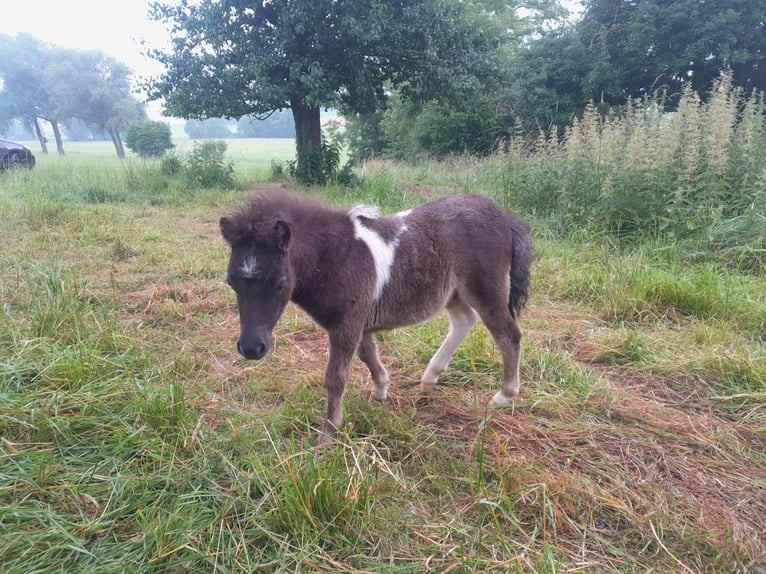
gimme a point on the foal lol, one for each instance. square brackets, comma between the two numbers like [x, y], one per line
[356, 272]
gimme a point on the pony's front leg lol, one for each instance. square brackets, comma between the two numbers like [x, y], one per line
[342, 347]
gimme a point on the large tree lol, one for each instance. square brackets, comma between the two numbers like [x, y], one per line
[655, 43]
[25, 92]
[101, 96]
[624, 49]
[233, 58]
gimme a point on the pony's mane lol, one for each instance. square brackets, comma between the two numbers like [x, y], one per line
[260, 212]
[285, 203]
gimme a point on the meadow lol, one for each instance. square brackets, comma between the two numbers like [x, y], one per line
[133, 438]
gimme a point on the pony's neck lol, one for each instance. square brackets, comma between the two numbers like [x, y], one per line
[313, 246]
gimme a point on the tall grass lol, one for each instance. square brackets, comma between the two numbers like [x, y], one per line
[698, 171]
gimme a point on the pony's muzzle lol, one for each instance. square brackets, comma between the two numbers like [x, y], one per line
[253, 351]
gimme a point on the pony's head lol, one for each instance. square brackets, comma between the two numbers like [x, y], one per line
[259, 274]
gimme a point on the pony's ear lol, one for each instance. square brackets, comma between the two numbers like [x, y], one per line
[282, 235]
[229, 230]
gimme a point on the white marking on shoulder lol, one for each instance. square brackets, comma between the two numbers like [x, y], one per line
[249, 267]
[404, 214]
[366, 211]
[382, 252]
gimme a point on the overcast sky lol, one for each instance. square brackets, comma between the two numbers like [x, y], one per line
[113, 26]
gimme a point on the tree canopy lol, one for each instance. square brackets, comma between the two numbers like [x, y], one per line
[233, 59]
[624, 49]
[653, 43]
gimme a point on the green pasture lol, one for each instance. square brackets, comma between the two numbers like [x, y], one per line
[134, 439]
[252, 156]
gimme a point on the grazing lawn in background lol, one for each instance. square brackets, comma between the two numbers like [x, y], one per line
[252, 156]
[133, 438]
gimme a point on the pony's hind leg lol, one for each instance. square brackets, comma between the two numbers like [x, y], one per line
[461, 319]
[368, 352]
[507, 335]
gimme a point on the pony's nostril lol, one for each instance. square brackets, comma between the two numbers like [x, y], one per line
[260, 350]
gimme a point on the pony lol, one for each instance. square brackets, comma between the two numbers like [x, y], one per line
[357, 272]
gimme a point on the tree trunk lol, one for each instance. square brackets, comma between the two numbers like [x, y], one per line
[121, 148]
[57, 136]
[308, 142]
[117, 141]
[40, 136]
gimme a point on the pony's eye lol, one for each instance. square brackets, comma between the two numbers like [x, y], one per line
[281, 284]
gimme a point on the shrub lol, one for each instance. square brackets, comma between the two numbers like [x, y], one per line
[205, 166]
[149, 138]
[323, 167]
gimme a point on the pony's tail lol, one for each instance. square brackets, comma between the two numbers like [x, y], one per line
[520, 264]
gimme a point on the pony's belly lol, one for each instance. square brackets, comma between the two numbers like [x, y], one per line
[391, 313]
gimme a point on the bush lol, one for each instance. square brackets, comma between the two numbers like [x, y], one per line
[323, 167]
[149, 138]
[205, 166]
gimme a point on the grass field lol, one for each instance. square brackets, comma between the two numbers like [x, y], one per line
[251, 155]
[134, 439]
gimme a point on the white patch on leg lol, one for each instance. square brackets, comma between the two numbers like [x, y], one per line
[499, 400]
[380, 388]
[382, 252]
[460, 324]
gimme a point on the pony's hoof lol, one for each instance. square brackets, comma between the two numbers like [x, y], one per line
[500, 400]
[323, 441]
[378, 400]
[427, 387]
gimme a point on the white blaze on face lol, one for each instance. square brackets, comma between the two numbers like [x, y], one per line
[249, 267]
[382, 252]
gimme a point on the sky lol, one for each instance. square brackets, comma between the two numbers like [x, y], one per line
[114, 27]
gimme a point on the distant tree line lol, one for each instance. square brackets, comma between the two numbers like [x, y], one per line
[278, 124]
[86, 93]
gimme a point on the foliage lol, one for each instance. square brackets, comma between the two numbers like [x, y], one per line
[60, 85]
[647, 172]
[205, 166]
[654, 43]
[323, 167]
[554, 78]
[365, 135]
[312, 54]
[149, 138]
[545, 76]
